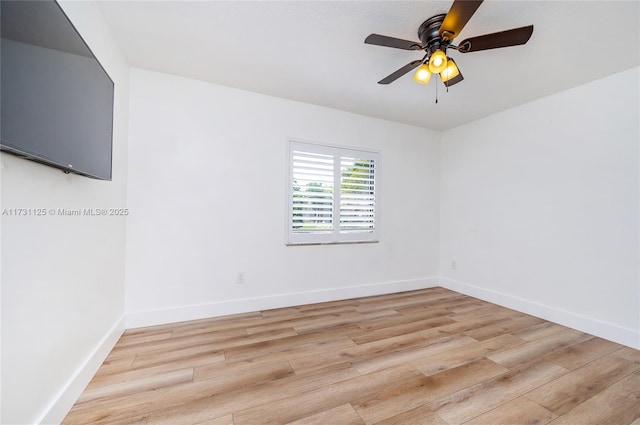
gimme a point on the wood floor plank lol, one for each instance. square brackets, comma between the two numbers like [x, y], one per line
[193, 326]
[393, 399]
[129, 339]
[311, 402]
[465, 323]
[400, 329]
[458, 378]
[392, 358]
[315, 310]
[242, 378]
[169, 344]
[238, 376]
[200, 401]
[519, 411]
[285, 313]
[410, 301]
[468, 353]
[427, 298]
[341, 320]
[209, 346]
[468, 403]
[431, 356]
[466, 306]
[239, 321]
[223, 420]
[148, 383]
[422, 415]
[538, 348]
[395, 304]
[266, 395]
[423, 309]
[486, 311]
[132, 373]
[366, 351]
[305, 319]
[403, 318]
[315, 348]
[579, 354]
[629, 354]
[140, 420]
[211, 352]
[506, 327]
[343, 415]
[115, 366]
[619, 404]
[543, 330]
[275, 345]
[568, 391]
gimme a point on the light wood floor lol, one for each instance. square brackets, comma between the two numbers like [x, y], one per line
[423, 357]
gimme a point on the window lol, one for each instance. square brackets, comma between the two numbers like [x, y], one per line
[332, 194]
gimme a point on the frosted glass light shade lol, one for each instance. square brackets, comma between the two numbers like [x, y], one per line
[422, 75]
[437, 62]
[450, 71]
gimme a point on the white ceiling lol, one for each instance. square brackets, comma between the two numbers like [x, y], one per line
[313, 51]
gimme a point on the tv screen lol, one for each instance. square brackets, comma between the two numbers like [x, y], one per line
[56, 99]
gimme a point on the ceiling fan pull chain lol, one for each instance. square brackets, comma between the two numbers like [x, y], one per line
[436, 93]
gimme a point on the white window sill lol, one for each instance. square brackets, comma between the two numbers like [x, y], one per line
[330, 243]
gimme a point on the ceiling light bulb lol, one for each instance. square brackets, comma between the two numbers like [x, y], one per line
[422, 75]
[437, 62]
[450, 71]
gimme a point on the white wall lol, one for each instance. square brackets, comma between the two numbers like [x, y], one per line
[539, 208]
[207, 191]
[62, 277]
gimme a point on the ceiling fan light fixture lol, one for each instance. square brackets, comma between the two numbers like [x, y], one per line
[437, 62]
[422, 75]
[437, 34]
[451, 71]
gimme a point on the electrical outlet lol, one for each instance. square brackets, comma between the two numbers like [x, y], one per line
[240, 278]
[454, 266]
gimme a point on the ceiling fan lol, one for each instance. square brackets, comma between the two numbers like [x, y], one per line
[436, 35]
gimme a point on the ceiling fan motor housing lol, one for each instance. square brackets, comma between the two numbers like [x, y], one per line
[429, 34]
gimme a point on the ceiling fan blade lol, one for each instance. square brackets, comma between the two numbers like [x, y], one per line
[399, 73]
[454, 80]
[513, 37]
[398, 43]
[457, 17]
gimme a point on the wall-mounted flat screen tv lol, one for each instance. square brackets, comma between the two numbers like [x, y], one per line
[57, 100]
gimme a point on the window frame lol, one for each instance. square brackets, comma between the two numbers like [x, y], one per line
[336, 236]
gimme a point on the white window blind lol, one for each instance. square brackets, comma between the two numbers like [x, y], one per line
[332, 194]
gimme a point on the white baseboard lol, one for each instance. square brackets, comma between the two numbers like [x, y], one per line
[244, 305]
[621, 335]
[67, 396]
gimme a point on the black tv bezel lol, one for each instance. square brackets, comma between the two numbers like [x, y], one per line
[49, 162]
